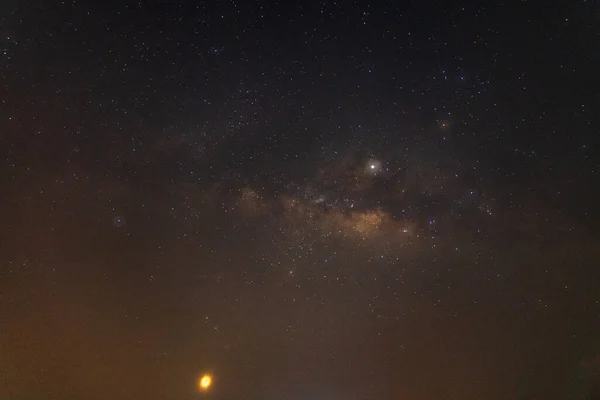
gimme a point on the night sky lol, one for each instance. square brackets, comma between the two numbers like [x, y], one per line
[304, 200]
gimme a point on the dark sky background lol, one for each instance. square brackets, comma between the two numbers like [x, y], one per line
[306, 199]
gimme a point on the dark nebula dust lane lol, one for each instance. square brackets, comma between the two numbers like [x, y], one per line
[299, 200]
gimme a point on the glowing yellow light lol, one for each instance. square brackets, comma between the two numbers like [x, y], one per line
[205, 382]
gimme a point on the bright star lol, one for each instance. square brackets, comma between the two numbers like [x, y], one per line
[205, 382]
[373, 166]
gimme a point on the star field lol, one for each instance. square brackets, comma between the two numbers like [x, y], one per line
[299, 200]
